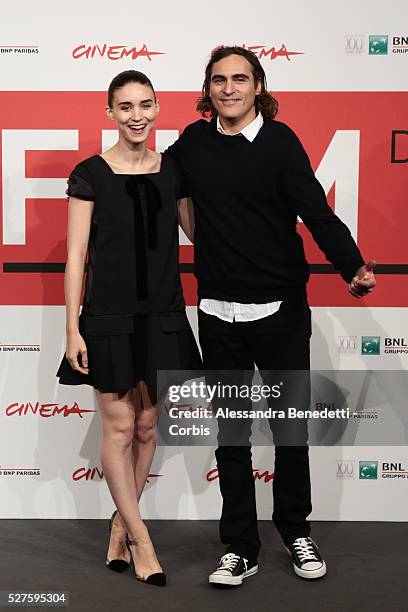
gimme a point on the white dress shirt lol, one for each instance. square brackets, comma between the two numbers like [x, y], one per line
[230, 311]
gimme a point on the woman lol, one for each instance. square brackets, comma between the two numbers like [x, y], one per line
[123, 213]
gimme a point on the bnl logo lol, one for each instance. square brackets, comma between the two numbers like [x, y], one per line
[368, 470]
[378, 44]
[370, 345]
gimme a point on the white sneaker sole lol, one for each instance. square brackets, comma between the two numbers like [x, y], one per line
[310, 574]
[232, 580]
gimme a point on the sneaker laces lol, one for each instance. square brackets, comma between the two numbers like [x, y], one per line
[305, 550]
[229, 561]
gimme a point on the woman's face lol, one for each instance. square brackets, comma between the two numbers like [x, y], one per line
[134, 110]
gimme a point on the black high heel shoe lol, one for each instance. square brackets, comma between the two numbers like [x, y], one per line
[157, 579]
[117, 565]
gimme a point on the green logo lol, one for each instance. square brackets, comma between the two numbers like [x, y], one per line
[368, 470]
[370, 345]
[378, 44]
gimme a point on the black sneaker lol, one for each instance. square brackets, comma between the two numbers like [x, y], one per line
[232, 570]
[307, 562]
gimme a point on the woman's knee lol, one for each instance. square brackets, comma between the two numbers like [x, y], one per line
[118, 417]
[120, 431]
[146, 427]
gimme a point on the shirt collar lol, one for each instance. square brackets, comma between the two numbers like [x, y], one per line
[249, 131]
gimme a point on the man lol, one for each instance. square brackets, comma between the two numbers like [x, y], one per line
[250, 178]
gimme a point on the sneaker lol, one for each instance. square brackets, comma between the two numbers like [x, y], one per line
[307, 562]
[232, 570]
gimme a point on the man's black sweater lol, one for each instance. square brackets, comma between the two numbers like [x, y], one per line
[247, 196]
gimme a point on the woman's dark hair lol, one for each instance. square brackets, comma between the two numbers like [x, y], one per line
[264, 101]
[123, 78]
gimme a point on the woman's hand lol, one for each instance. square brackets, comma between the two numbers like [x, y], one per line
[76, 346]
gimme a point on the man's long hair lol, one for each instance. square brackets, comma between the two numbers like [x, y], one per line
[264, 101]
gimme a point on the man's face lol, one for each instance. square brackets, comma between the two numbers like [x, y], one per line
[233, 89]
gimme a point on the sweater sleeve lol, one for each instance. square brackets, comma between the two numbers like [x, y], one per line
[306, 197]
[181, 187]
[183, 148]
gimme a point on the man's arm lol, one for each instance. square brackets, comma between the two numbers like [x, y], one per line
[305, 195]
[186, 217]
[183, 149]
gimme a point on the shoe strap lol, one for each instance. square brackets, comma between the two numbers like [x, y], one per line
[111, 520]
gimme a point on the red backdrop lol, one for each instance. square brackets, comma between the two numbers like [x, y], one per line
[383, 186]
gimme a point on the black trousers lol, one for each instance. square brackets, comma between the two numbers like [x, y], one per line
[278, 342]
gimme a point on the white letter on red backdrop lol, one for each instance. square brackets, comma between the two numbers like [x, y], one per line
[16, 187]
[340, 165]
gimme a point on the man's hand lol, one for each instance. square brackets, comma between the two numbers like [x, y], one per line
[364, 280]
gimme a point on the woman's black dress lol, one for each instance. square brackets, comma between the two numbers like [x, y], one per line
[133, 319]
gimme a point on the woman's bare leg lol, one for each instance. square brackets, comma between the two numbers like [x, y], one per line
[145, 438]
[118, 424]
[143, 447]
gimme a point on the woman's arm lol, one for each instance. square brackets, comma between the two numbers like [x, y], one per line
[79, 225]
[186, 217]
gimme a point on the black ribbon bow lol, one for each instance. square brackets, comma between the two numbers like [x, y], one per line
[145, 195]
